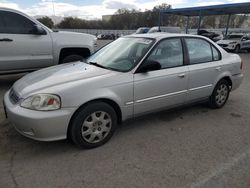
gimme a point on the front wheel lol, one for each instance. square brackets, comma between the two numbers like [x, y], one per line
[220, 94]
[93, 125]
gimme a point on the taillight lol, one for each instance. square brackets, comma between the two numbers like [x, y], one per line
[241, 65]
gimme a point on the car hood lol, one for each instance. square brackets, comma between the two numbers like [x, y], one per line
[226, 41]
[57, 75]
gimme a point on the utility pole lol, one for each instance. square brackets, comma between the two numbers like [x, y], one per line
[53, 5]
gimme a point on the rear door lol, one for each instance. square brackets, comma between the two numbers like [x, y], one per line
[204, 67]
[19, 48]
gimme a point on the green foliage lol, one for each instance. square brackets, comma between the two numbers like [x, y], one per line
[46, 21]
[77, 23]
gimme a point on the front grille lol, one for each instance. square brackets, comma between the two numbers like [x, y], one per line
[14, 98]
[223, 45]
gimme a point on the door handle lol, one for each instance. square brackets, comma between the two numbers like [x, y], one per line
[181, 75]
[218, 68]
[6, 40]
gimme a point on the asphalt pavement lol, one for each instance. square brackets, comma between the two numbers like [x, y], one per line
[187, 147]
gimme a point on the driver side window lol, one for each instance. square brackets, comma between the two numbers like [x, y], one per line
[168, 53]
[14, 23]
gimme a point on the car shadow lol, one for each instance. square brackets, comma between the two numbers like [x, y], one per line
[11, 141]
[166, 116]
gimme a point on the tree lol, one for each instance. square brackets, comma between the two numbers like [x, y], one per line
[46, 21]
[133, 19]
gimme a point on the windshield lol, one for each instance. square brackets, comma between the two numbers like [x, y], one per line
[122, 55]
[140, 30]
[233, 37]
[153, 30]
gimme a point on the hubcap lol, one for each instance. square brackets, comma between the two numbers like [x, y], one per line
[96, 127]
[221, 94]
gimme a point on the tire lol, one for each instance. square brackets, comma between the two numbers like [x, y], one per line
[71, 58]
[237, 48]
[93, 125]
[220, 94]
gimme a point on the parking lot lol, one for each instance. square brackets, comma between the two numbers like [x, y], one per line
[187, 147]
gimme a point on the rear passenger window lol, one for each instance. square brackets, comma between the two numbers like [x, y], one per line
[168, 53]
[216, 55]
[199, 51]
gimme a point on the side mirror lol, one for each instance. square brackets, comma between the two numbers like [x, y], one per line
[38, 30]
[149, 65]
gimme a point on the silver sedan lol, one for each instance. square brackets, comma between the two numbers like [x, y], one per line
[132, 76]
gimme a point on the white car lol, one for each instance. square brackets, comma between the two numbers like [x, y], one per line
[235, 42]
[164, 29]
[27, 45]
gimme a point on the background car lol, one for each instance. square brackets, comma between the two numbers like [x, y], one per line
[165, 29]
[27, 45]
[211, 35]
[142, 30]
[235, 42]
[106, 36]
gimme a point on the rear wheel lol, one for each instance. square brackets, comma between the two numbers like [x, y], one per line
[93, 125]
[220, 94]
[72, 58]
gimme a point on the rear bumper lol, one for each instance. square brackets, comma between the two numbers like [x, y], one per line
[38, 125]
[236, 81]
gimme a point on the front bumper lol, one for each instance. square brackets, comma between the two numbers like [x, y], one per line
[39, 125]
[236, 81]
[228, 47]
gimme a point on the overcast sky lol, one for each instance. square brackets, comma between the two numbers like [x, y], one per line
[92, 9]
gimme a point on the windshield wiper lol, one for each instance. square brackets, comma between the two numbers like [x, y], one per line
[101, 66]
[98, 65]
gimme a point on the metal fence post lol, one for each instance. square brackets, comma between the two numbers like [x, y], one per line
[199, 24]
[187, 24]
[228, 21]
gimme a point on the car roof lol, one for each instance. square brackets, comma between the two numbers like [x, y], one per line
[162, 35]
[236, 34]
[9, 9]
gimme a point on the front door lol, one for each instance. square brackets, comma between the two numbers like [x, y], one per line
[162, 88]
[19, 48]
[245, 43]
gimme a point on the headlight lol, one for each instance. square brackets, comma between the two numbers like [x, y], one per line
[42, 102]
[232, 42]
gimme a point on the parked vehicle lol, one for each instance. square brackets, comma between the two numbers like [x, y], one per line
[235, 42]
[134, 75]
[211, 35]
[165, 29]
[142, 30]
[106, 36]
[27, 45]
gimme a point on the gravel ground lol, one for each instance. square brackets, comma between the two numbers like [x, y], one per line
[186, 147]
